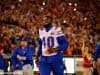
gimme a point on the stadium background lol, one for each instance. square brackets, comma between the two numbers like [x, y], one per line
[79, 20]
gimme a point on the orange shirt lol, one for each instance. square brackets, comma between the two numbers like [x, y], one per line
[69, 51]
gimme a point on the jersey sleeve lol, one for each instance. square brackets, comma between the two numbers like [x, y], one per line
[63, 43]
[59, 32]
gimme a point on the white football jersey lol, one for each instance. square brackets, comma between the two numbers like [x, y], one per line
[49, 39]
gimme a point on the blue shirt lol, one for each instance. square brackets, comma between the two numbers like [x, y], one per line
[27, 52]
[2, 63]
[97, 52]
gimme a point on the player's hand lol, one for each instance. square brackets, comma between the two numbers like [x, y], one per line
[52, 50]
[21, 58]
[18, 57]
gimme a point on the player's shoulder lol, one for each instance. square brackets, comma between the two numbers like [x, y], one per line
[57, 28]
[41, 29]
[16, 49]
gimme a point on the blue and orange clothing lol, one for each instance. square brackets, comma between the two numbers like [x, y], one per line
[27, 52]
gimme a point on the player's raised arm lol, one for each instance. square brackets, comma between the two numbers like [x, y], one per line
[62, 40]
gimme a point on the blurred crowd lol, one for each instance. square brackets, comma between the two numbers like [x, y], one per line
[79, 20]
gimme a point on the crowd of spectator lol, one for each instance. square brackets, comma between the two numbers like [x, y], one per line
[79, 20]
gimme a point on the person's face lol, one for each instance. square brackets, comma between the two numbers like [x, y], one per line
[23, 43]
[1, 51]
[47, 20]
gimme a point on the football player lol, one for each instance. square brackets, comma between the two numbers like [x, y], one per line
[52, 43]
[22, 59]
